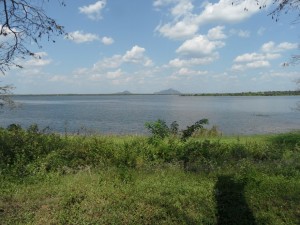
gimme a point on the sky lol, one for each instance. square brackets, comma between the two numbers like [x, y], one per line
[144, 46]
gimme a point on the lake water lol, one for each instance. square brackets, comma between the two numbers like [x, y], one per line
[126, 114]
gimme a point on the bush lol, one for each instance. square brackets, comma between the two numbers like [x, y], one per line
[159, 129]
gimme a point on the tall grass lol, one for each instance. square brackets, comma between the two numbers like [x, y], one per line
[47, 178]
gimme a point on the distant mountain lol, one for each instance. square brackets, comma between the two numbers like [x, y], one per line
[124, 93]
[168, 92]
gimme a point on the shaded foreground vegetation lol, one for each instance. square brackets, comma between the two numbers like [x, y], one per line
[47, 178]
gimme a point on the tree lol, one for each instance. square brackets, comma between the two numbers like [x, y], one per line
[23, 22]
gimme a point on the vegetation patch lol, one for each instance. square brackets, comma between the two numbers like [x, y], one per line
[47, 178]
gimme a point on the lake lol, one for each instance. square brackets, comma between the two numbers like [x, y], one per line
[126, 114]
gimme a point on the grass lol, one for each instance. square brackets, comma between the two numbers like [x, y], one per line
[53, 179]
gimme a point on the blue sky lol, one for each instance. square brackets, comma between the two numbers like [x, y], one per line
[144, 46]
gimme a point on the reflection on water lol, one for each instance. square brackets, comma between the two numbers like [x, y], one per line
[127, 114]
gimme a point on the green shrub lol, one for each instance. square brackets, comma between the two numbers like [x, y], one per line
[188, 132]
[159, 129]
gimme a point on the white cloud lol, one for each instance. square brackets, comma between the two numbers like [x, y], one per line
[251, 65]
[34, 65]
[159, 3]
[114, 74]
[179, 29]
[81, 37]
[107, 40]
[258, 64]
[216, 33]
[225, 11]
[199, 46]
[183, 8]
[136, 55]
[192, 62]
[187, 72]
[57, 78]
[93, 11]
[248, 57]
[185, 22]
[39, 60]
[270, 51]
[111, 62]
[284, 46]
[240, 33]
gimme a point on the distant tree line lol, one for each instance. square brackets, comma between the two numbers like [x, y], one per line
[260, 93]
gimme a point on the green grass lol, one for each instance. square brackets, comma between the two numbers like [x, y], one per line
[53, 179]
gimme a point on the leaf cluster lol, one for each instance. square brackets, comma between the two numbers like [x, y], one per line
[23, 22]
[160, 129]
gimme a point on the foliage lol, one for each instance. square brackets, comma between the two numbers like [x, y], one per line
[188, 132]
[278, 7]
[160, 129]
[23, 22]
[48, 178]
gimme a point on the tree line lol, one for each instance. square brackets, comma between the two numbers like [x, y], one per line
[259, 93]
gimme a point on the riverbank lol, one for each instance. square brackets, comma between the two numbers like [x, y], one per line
[57, 179]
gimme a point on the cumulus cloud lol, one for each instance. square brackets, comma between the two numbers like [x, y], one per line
[199, 46]
[192, 61]
[251, 65]
[136, 55]
[107, 40]
[200, 50]
[185, 23]
[240, 33]
[110, 62]
[114, 74]
[93, 11]
[187, 72]
[216, 33]
[225, 11]
[268, 51]
[158, 3]
[178, 30]
[284, 46]
[248, 57]
[182, 8]
[81, 37]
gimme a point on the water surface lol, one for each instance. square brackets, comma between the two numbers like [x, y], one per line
[126, 114]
